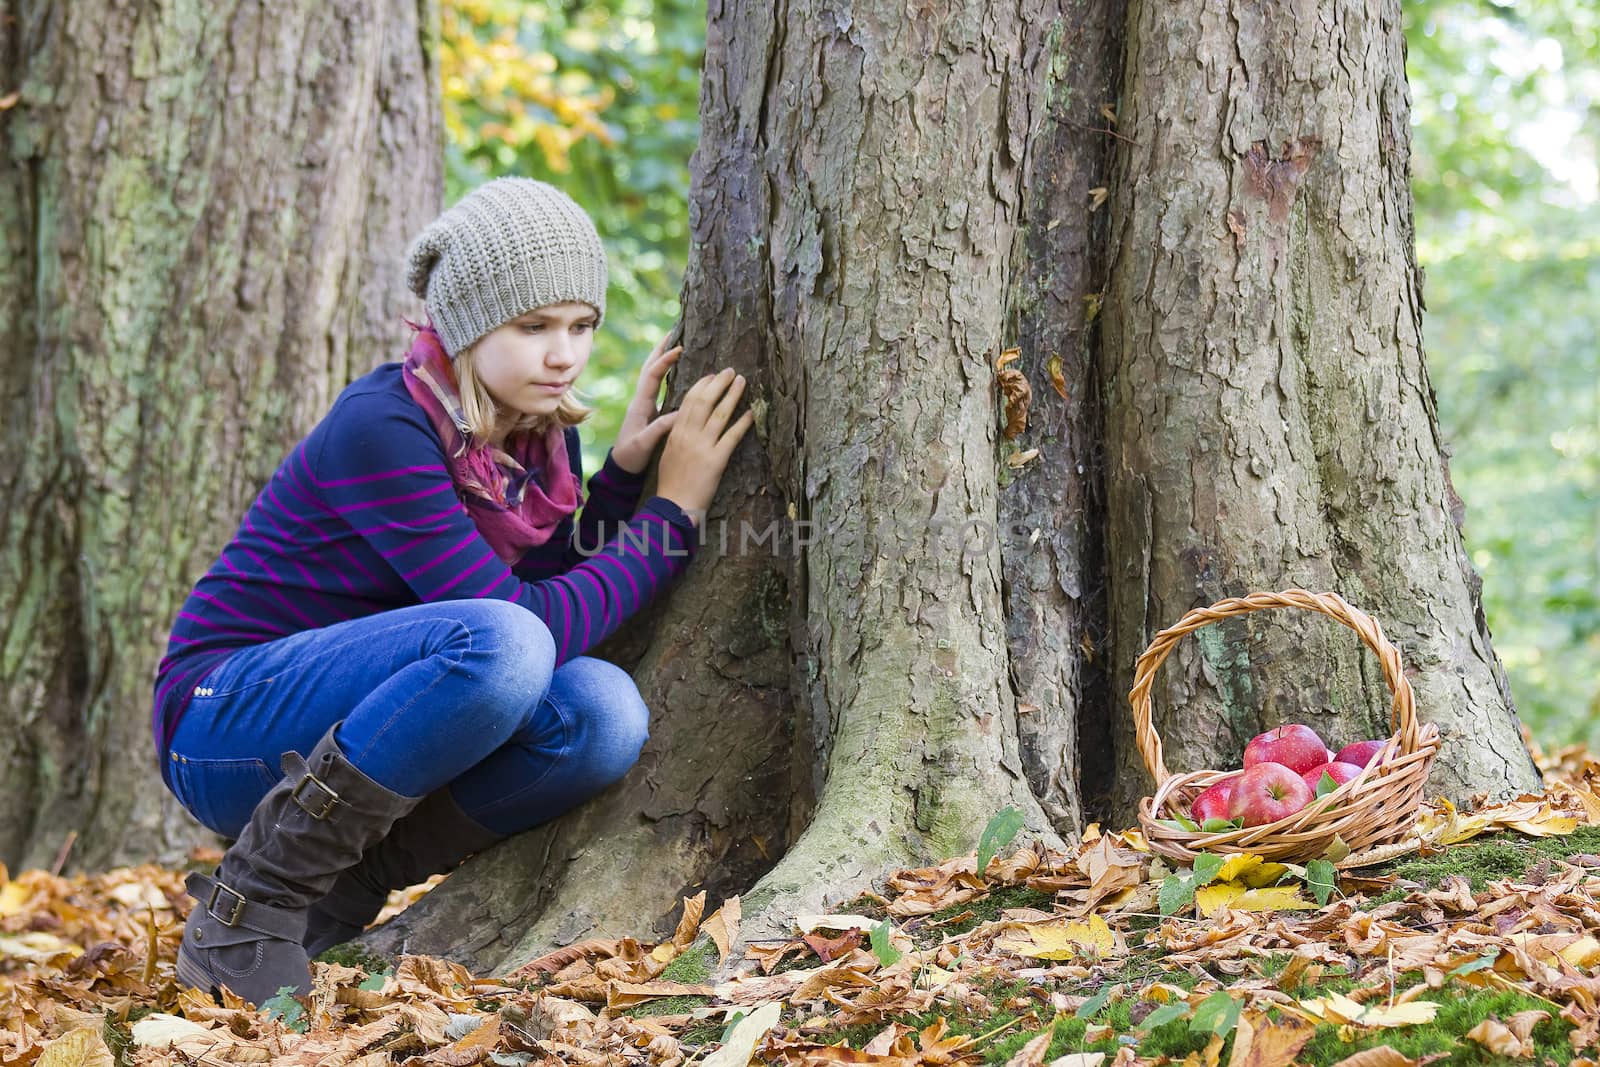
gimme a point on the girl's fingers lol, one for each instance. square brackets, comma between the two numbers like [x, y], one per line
[661, 359]
[736, 432]
[654, 370]
[659, 428]
[730, 400]
[702, 395]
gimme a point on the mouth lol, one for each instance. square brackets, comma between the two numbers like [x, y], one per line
[554, 388]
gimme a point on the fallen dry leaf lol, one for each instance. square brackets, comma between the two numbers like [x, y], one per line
[79, 1048]
[746, 1035]
[1260, 1043]
[1063, 939]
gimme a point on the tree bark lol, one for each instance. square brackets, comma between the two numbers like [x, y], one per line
[1269, 417]
[205, 206]
[859, 192]
[1052, 513]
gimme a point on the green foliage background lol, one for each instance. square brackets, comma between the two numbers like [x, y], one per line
[1506, 123]
[600, 98]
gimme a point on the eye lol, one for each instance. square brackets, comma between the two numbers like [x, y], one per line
[532, 327]
[582, 326]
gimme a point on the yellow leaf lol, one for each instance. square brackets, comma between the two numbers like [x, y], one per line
[1164, 993]
[36, 947]
[1581, 951]
[1584, 952]
[1212, 899]
[1057, 378]
[1234, 866]
[13, 898]
[1546, 825]
[80, 1048]
[1338, 1008]
[1134, 840]
[1063, 940]
[1264, 875]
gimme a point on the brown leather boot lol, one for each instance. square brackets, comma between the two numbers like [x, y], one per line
[433, 839]
[315, 822]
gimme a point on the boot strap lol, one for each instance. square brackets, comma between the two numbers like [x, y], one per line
[311, 794]
[319, 806]
[234, 910]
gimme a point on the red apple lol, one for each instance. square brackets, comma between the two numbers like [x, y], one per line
[1266, 793]
[1294, 746]
[1213, 802]
[1361, 753]
[1342, 773]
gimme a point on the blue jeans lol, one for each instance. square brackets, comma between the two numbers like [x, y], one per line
[461, 693]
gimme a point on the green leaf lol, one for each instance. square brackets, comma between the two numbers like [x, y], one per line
[1326, 784]
[1092, 1007]
[284, 1006]
[1206, 866]
[1321, 879]
[1217, 826]
[1217, 1014]
[887, 954]
[374, 983]
[997, 835]
[1474, 965]
[733, 1020]
[1164, 1014]
[1336, 851]
[1177, 893]
[1187, 823]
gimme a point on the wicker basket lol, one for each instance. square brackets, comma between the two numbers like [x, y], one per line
[1377, 807]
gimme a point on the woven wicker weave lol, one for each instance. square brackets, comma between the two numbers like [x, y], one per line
[1377, 807]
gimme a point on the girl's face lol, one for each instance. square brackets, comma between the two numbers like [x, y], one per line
[529, 363]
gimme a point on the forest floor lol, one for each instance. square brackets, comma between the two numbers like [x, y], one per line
[1479, 946]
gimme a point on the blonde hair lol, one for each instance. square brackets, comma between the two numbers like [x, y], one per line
[481, 412]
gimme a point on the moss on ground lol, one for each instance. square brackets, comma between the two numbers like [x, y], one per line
[692, 967]
[1460, 1010]
[1485, 859]
[984, 909]
[355, 954]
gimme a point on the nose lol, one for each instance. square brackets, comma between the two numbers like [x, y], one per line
[563, 351]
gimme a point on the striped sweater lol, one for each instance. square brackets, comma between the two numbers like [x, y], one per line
[362, 517]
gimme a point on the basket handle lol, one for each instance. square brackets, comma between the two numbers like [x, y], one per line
[1402, 713]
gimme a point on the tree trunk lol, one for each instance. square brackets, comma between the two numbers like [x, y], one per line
[205, 207]
[858, 195]
[871, 192]
[1052, 514]
[1269, 417]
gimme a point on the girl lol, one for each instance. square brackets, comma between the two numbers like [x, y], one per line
[408, 600]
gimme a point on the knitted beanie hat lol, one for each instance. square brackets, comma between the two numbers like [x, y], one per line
[508, 247]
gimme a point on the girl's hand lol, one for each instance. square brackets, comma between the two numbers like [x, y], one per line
[698, 450]
[642, 430]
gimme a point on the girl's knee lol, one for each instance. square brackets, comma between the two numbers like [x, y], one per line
[512, 655]
[615, 720]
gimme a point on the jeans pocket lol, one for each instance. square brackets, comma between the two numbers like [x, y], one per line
[221, 793]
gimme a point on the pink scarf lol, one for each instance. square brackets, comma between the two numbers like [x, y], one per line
[513, 509]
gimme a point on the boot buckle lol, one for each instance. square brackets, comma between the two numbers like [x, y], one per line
[319, 807]
[232, 918]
